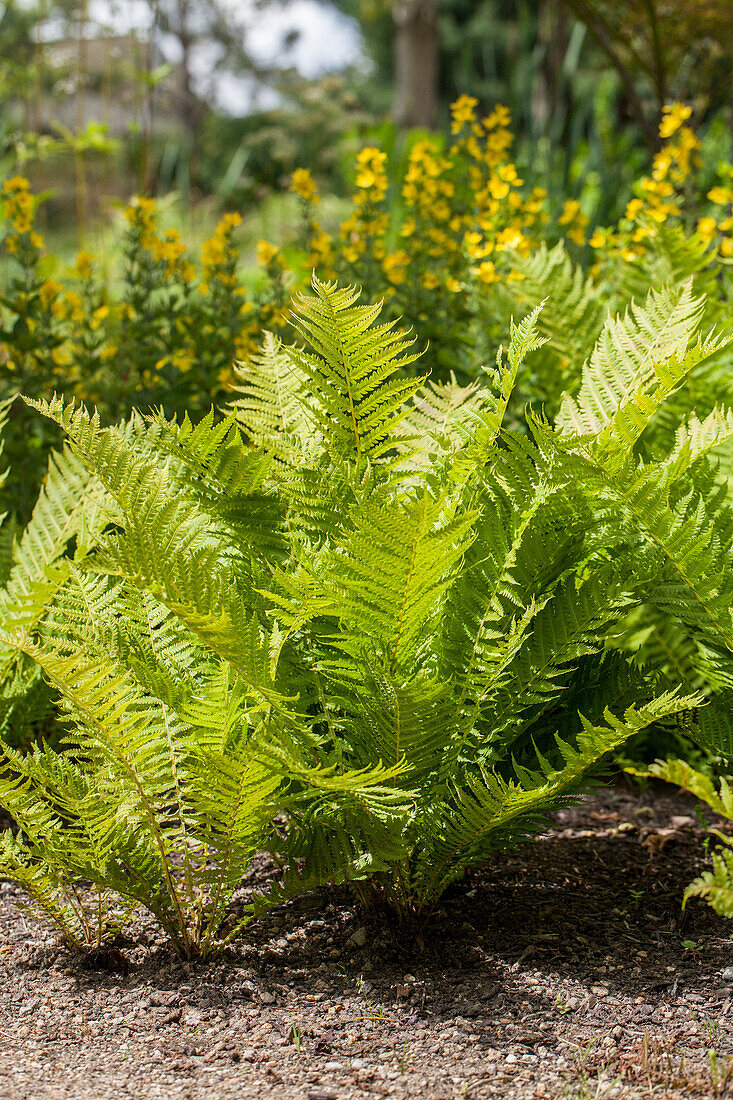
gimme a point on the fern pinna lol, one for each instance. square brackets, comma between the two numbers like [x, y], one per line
[359, 600]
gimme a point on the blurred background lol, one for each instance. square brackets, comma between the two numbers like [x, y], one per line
[214, 103]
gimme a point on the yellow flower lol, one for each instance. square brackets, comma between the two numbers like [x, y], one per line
[570, 211]
[36, 240]
[430, 280]
[476, 246]
[498, 189]
[15, 184]
[98, 316]
[74, 305]
[182, 361]
[632, 209]
[487, 272]
[229, 222]
[673, 115]
[302, 184]
[371, 175]
[707, 228]
[500, 117]
[266, 253]
[463, 111]
[726, 247]
[61, 355]
[452, 284]
[48, 291]
[600, 238]
[721, 196]
[83, 265]
[511, 237]
[394, 266]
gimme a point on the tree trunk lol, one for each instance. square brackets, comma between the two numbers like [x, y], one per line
[416, 62]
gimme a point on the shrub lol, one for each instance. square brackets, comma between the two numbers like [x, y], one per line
[455, 238]
[387, 614]
[164, 334]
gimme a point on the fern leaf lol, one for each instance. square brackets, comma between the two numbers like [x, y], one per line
[355, 398]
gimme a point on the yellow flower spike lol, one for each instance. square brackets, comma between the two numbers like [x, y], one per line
[49, 291]
[266, 253]
[83, 265]
[302, 184]
[463, 111]
[673, 116]
[15, 184]
[726, 247]
[633, 208]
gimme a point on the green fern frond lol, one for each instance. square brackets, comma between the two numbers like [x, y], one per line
[574, 309]
[271, 401]
[353, 394]
[644, 349]
[386, 576]
[714, 886]
[70, 506]
[484, 811]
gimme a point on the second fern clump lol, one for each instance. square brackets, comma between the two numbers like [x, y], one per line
[360, 602]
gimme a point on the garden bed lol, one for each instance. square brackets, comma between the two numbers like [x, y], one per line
[558, 971]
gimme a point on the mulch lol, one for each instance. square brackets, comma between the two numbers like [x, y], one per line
[565, 968]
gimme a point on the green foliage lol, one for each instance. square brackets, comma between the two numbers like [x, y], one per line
[716, 884]
[68, 513]
[385, 614]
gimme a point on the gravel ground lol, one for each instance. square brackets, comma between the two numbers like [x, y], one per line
[557, 971]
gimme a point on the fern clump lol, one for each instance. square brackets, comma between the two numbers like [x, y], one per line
[364, 602]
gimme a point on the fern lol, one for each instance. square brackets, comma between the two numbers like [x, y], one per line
[353, 395]
[69, 512]
[715, 885]
[368, 604]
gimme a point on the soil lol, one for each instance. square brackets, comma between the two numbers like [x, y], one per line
[563, 969]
